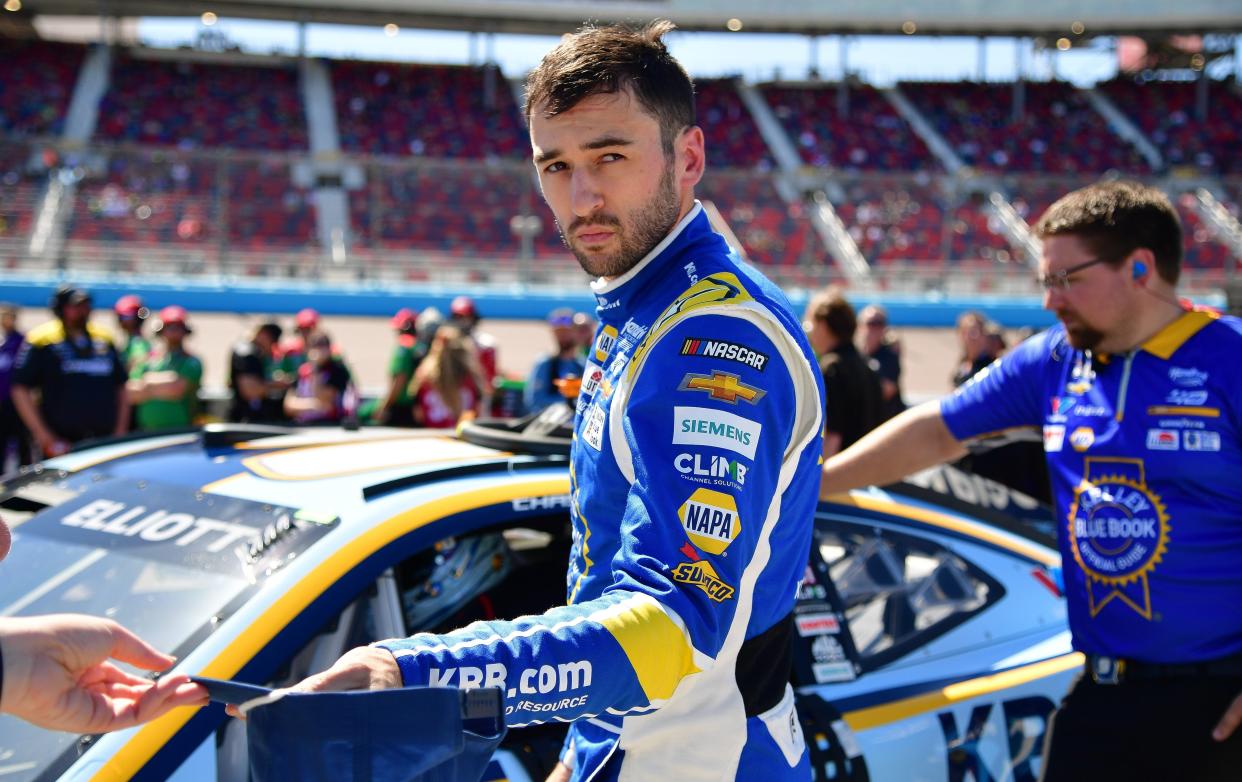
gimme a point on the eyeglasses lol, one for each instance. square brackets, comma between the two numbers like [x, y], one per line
[1061, 280]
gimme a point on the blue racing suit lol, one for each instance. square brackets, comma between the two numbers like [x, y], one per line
[694, 479]
[1145, 455]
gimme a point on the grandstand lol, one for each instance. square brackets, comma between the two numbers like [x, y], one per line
[224, 163]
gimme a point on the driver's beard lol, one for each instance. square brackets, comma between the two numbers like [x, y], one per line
[648, 227]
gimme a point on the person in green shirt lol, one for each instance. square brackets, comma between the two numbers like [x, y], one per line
[130, 315]
[164, 388]
[396, 406]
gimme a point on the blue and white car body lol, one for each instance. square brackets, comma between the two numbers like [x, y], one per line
[931, 643]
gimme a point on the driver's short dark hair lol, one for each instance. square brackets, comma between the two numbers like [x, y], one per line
[607, 60]
[1113, 219]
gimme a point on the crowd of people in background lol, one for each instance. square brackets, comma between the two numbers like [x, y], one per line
[71, 379]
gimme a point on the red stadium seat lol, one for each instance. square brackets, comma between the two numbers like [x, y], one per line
[1058, 132]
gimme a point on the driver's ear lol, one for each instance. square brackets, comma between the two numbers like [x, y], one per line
[691, 156]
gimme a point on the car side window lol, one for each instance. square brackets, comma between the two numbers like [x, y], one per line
[493, 574]
[899, 591]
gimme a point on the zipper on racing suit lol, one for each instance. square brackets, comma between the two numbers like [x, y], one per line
[1125, 385]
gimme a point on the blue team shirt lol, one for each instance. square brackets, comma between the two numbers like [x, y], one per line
[694, 479]
[1145, 456]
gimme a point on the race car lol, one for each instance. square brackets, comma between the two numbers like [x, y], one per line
[931, 636]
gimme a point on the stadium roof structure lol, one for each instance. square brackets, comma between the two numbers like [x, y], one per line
[934, 17]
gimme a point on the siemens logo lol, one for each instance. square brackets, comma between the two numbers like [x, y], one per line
[715, 428]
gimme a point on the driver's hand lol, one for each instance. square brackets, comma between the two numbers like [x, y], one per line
[364, 668]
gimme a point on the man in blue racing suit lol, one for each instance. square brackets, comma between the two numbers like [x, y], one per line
[1139, 398]
[694, 462]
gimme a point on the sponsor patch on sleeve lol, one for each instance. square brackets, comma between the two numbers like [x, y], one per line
[722, 387]
[715, 428]
[729, 351]
[702, 575]
[710, 519]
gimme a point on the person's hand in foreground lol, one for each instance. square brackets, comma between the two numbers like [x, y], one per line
[363, 668]
[59, 674]
[1229, 723]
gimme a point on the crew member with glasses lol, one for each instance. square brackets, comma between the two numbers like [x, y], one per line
[1139, 398]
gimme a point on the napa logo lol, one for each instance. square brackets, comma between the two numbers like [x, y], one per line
[604, 342]
[710, 519]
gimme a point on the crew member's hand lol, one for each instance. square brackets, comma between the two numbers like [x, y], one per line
[1229, 723]
[363, 668]
[51, 445]
[561, 773]
[57, 675]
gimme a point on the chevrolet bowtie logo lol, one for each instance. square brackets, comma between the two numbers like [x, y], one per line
[722, 386]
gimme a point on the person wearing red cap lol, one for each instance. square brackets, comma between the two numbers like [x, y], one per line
[396, 407]
[164, 388]
[130, 316]
[55, 672]
[465, 316]
[293, 351]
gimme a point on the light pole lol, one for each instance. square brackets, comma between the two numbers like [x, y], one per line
[525, 227]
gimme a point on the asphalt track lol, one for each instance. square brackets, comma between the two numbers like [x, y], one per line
[928, 355]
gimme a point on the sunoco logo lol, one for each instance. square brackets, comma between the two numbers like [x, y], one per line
[702, 575]
[710, 520]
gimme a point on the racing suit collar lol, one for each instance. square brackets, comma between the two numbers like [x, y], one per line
[610, 294]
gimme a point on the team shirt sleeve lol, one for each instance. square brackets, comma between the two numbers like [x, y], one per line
[1006, 394]
[31, 366]
[703, 440]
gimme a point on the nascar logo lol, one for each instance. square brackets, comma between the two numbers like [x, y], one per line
[702, 575]
[710, 519]
[730, 351]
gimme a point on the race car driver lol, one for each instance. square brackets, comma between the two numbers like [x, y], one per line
[1140, 408]
[694, 461]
